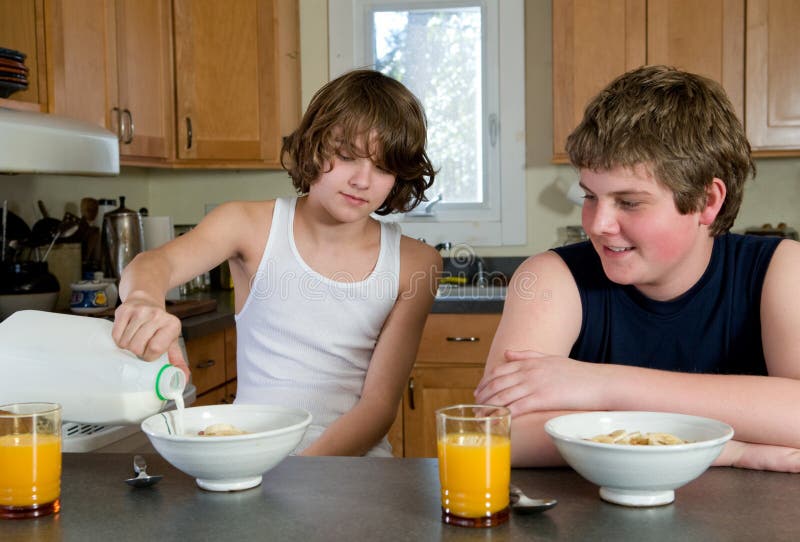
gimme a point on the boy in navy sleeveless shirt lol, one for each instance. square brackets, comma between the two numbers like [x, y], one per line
[662, 309]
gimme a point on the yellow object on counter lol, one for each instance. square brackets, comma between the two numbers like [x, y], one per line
[461, 281]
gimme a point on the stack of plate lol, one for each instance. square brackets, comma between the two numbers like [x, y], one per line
[13, 72]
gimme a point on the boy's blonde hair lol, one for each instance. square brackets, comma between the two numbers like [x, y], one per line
[352, 109]
[680, 125]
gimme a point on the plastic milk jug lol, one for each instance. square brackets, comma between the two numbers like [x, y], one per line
[73, 360]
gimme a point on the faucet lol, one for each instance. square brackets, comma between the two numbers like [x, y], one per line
[482, 280]
[447, 245]
[431, 204]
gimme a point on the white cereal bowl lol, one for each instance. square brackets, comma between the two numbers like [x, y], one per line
[638, 475]
[227, 463]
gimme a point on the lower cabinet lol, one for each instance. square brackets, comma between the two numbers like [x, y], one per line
[449, 365]
[212, 360]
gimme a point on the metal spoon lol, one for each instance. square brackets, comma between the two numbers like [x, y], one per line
[522, 504]
[143, 479]
[65, 229]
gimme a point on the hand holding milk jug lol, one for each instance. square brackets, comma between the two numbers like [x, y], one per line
[73, 361]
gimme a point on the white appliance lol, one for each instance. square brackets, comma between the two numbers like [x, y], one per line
[33, 142]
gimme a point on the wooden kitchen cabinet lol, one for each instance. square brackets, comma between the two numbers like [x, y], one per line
[237, 80]
[449, 365]
[594, 41]
[773, 77]
[210, 361]
[183, 83]
[22, 29]
[110, 63]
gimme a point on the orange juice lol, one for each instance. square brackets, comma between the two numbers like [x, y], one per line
[30, 469]
[474, 471]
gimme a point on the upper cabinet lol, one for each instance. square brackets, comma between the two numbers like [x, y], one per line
[237, 78]
[594, 41]
[111, 64]
[183, 83]
[773, 76]
[22, 29]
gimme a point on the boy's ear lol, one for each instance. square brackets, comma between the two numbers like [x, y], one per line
[715, 197]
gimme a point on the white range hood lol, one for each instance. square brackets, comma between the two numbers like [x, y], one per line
[41, 143]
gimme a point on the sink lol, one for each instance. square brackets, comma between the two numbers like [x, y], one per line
[452, 292]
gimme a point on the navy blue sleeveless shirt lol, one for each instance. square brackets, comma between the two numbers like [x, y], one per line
[715, 327]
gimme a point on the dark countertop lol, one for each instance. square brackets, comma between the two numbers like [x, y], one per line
[353, 499]
[210, 322]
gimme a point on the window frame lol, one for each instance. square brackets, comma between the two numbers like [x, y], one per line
[501, 219]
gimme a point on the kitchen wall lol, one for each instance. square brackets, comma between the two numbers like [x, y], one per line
[773, 197]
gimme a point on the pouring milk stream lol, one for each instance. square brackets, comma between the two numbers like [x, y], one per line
[73, 360]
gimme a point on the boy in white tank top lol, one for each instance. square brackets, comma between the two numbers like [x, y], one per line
[330, 303]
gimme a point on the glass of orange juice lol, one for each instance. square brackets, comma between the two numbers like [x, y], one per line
[30, 460]
[474, 448]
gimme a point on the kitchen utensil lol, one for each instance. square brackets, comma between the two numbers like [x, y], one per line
[522, 504]
[142, 479]
[16, 234]
[5, 219]
[89, 210]
[124, 237]
[45, 228]
[65, 229]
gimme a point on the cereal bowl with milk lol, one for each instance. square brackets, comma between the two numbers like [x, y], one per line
[227, 447]
[638, 458]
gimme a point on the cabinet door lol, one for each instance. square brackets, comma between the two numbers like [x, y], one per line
[705, 37]
[593, 42]
[22, 29]
[773, 75]
[457, 338]
[207, 361]
[81, 62]
[429, 389]
[144, 76]
[237, 78]
[230, 353]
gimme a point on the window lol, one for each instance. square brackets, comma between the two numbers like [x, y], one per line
[469, 75]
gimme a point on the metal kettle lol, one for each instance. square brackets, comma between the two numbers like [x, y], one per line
[124, 237]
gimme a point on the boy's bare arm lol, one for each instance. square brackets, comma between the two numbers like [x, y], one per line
[141, 324]
[542, 310]
[537, 386]
[360, 429]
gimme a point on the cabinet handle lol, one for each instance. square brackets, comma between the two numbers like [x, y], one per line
[463, 339]
[206, 364]
[188, 133]
[128, 139]
[118, 113]
[411, 393]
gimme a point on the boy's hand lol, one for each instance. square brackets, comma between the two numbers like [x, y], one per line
[175, 355]
[531, 381]
[144, 327]
[746, 455]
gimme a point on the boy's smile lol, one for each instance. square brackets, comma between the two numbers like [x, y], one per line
[640, 236]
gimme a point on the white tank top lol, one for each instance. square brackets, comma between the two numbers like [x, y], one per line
[305, 340]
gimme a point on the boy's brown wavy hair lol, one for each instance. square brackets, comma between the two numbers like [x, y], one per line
[356, 107]
[680, 125]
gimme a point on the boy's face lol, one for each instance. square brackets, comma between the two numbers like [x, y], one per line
[639, 234]
[352, 186]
